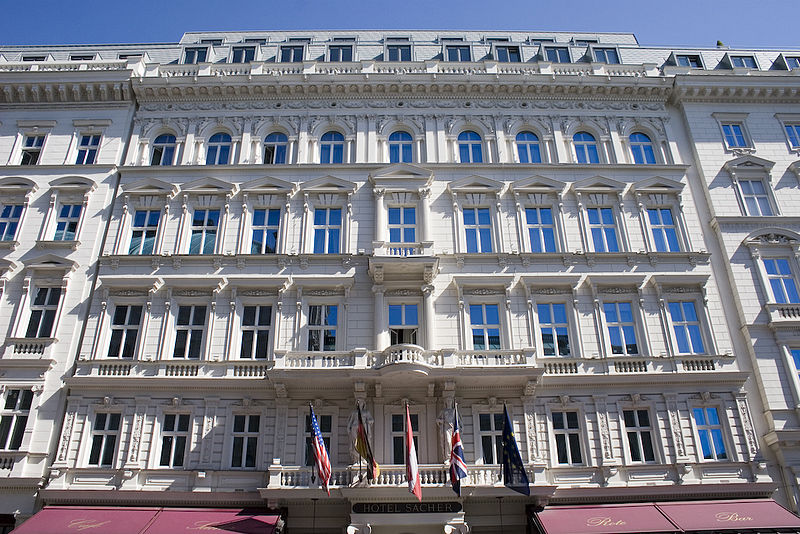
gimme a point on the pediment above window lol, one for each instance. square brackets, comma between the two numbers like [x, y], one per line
[210, 186]
[475, 184]
[150, 186]
[538, 184]
[268, 186]
[74, 184]
[401, 176]
[50, 262]
[658, 184]
[749, 166]
[772, 237]
[17, 187]
[325, 184]
[599, 184]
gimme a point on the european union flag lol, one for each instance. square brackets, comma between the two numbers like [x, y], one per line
[514, 475]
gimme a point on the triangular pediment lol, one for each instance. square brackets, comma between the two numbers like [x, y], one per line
[658, 184]
[749, 162]
[476, 183]
[537, 184]
[150, 186]
[51, 262]
[598, 183]
[327, 184]
[209, 186]
[268, 185]
[403, 171]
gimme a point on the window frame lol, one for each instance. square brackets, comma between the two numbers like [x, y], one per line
[176, 328]
[205, 194]
[275, 144]
[476, 192]
[654, 429]
[403, 247]
[742, 58]
[564, 408]
[330, 145]
[324, 303]
[558, 51]
[246, 435]
[90, 151]
[724, 429]
[155, 145]
[595, 48]
[258, 303]
[493, 412]
[196, 51]
[661, 193]
[390, 43]
[401, 144]
[637, 322]
[539, 144]
[43, 308]
[585, 148]
[244, 48]
[602, 194]
[731, 120]
[340, 45]
[293, 46]
[447, 45]
[17, 428]
[499, 45]
[25, 149]
[126, 328]
[471, 146]
[266, 194]
[13, 219]
[91, 432]
[303, 436]
[391, 434]
[16, 192]
[326, 192]
[163, 433]
[787, 121]
[218, 146]
[690, 60]
[641, 146]
[702, 325]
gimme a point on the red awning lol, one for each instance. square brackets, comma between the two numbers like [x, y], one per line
[729, 515]
[605, 519]
[99, 520]
[190, 521]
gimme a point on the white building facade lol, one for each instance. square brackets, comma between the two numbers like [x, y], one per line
[402, 218]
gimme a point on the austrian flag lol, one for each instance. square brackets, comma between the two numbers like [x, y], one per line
[412, 467]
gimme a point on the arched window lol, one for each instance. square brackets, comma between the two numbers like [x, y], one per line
[163, 150]
[470, 147]
[219, 149]
[642, 149]
[585, 148]
[275, 148]
[331, 148]
[528, 148]
[400, 147]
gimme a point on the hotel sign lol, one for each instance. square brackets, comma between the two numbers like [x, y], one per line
[443, 507]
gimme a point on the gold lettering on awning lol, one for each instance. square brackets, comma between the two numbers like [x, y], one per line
[604, 522]
[727, 517]
[86, 524]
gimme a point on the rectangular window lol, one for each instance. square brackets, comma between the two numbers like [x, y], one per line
[781, 280]
[399, 52]
[557, 54]
[189, 329]
[87, 149]
[327, 229]
[403, 323]
[291, 54]
[747, 62]
[246, 429]
[69, 215]
[124, 331]
[402, 229]
[478, 229]
[606, 55]
[640, 435]
[256, 324]
[14, 418]
[554, 329]
[664, 229]
[43, 312]
[508, 54]
[174, 437]
[81, 57]
[692, 61]
[484, 320]
[266, 223]
[796, 358]
[204, 231]
[793, 133]
[104, 439]
[603, 229]
[709, 430]
[325, 423]
[491, 429]
[793, 62]
[457, 53]
[243, 54]
[686, 325]
[541, 230]
[322, 321]
[756, 199]
[32, 149]
[340, 53]
[621, 328]
[10, 215]
[399, 436]
[143, 231]
[196, 55]
[567, 430]
[734, 135]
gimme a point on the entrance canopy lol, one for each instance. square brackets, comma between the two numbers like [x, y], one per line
[674, 517]
[107, 520]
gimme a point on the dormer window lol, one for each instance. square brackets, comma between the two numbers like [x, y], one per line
[340, 53]
[243, 54]
[689, 60]
[507, 54]
[292, 53]
[557, 54]
[606, 55]
[458, 53]
[194, 55]
[745, 62]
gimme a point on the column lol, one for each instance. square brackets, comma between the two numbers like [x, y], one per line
[425, 219]
[381, 328]
[428, 317]
[381, 224]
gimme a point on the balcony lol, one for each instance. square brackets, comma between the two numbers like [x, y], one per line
[783, 315]
[624, 365]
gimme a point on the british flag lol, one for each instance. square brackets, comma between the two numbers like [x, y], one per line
[320, 453]
[458, 468]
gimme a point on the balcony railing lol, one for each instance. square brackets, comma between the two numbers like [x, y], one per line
[783, 315]
[637, 364]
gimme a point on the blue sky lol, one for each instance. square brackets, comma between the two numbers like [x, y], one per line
[761, 24]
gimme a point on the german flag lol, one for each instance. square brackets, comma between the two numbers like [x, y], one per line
[364, 450]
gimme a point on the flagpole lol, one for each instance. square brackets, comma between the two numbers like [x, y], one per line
[500, 505]
[314, 515]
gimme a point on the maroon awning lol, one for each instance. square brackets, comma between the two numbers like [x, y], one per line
[604, 519]
[107, 520]
[98, 520]
[729, 515]
[193, 520]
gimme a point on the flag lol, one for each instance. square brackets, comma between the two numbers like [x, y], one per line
[364, 450]
[458, 469]
[514, 475]
[320, 453]
[412, 468]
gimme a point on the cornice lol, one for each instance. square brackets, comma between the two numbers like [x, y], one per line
[756, 88]
[30, 88]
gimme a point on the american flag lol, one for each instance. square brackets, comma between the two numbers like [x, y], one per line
[458, 468]
[320, 453]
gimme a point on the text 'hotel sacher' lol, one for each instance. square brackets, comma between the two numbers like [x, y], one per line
[201, 240]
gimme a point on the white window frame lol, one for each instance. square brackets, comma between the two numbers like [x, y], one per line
[243, 47]
[335, 44]
[230, 442]
[461, 44]
[739, 119]
[654, 429]
[419, 443]
[16, 192]
[786, 120]
[324, 304]
[539, 192]
[89, 435]
[758, 170]
[41, 274]
[147, 195]
[189, 329]
[784, 247]
[639, 328]
[403, 302]
[65, 191]
[326, 192]
[558, 46]
[689, 289]
[292, 44]
[476, 193]
[145, 229]
[162, 433]
[320, 412]
[586, 457]
[195, 48]
[202, 198]
[725, 430]
[492, 411]
[590, 196]
[659, 193]
[126, 328]
[554, 290]
[176, 146]
[605, 47]
[15, 413]
[255, 328]
[389, 42]
[265, 194]
[86, 127]
[26, 128]
[507, 44]
[486, 326]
